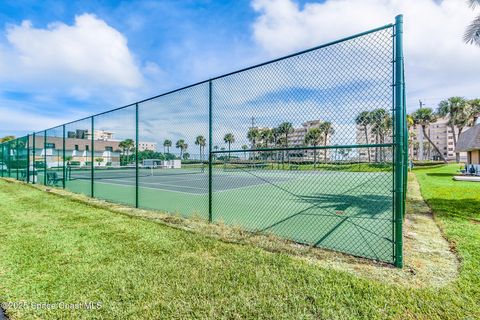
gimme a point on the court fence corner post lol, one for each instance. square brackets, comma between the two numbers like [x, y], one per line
[399, 206]
[27, 177]
[136, 156]
[34, 173]
[64, 153]
[92, 164]
[210, 157]
[45, 157]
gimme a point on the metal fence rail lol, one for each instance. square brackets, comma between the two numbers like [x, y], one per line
[310, 147]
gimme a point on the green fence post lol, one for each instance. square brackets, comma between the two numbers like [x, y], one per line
[45, 157]
[27, 180]
[63, 156]
[210, 158]
[1, 160]
[17, 142]
[399, 141]
[92, 166]
[136, 155]
[33, 159]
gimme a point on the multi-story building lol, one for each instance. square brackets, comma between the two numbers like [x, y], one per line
[297, 139]
[78, 148]
[374, 154]
[144, 146]
[441, 135]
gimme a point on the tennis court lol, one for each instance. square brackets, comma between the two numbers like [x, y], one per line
[337, 210]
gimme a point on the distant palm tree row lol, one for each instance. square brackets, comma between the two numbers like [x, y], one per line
[379, 123]
[461, 113]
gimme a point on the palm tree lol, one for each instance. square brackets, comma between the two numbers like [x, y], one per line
[180, 144]
[266, 136]
[326, 129]
[364, 120]
[201, 141]
[313, 137]
[126, 146]
[229, 138]
[455, 108]
[474, 111]
[285, 129]
[472, 34]
[381, 123]
[253, 135]
[424, 117]
[167, 144]
[245, 147]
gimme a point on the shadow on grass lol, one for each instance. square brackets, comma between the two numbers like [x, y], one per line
[468, 209]
[439, 174]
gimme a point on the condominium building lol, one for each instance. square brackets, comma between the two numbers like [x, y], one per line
[374, 154]
[297, 139]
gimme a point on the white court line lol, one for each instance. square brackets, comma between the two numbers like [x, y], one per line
[150, 188]
[163, 184]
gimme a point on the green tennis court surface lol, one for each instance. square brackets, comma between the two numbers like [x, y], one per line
[336, 210]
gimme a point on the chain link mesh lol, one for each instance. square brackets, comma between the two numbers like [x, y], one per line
[301, 147]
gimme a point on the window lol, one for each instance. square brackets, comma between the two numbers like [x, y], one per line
[87, 147]
[450, 149]
[76, 147]
[109, 149]
[50, 145]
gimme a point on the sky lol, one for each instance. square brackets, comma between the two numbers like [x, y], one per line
[64, 60]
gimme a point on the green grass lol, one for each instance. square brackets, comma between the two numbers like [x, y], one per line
[56, 250]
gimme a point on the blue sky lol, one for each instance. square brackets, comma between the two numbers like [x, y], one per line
[162, 45]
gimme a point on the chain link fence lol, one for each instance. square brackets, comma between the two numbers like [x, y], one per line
[310, 147]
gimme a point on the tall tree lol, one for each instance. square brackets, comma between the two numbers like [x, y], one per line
[180, 144]
[201, 142]
[127, 146]
[364, 120]
[253, 135]
[327, 130]
[285, 129]
[472, 34]
[456, 109]
[167, 144]
[266, 136]
[381, 124]
[314, 137]
[474, 110]
[229, 138]
[424, 117]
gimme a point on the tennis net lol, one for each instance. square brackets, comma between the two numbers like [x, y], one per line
[130, 172]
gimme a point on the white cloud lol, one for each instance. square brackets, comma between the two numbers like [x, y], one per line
[438, 63]
[78, 60]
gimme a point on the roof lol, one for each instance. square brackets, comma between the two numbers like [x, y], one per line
[469, 139]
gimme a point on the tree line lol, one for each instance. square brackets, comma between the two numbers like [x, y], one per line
[461, 113]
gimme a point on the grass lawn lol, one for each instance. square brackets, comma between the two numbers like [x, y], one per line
[53, 249]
